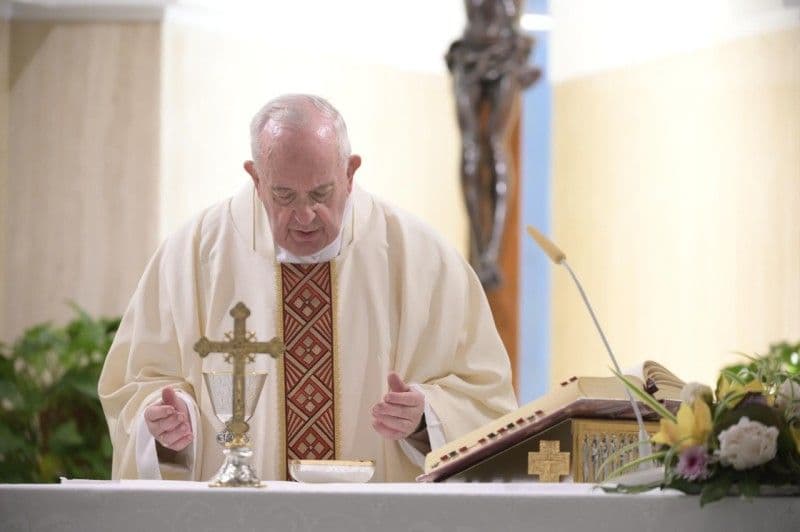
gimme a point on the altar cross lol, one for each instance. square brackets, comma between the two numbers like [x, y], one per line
[239, 350]
[549, 463]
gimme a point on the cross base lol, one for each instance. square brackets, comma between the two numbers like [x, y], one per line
[236, 471]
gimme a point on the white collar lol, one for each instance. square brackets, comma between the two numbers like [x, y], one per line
[329, 252]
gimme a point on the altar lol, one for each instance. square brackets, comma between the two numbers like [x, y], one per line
[162, 505]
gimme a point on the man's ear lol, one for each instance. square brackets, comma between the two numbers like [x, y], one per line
[353, 163]
[250, 168]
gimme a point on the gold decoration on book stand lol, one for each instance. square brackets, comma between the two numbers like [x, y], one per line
[596, 440]
[240, 349]
[550, 464]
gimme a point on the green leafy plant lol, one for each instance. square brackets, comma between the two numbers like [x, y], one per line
[782, 357]
[51, 421]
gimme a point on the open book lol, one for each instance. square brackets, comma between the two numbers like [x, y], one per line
[585, 397]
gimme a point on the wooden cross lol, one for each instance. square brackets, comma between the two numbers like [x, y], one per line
[239, 350]
[549, 463]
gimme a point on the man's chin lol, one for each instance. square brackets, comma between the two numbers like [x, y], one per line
[304, 249]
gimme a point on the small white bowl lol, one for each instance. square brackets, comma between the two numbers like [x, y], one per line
[331, 470]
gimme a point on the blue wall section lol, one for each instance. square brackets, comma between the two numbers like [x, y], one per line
[534, 360]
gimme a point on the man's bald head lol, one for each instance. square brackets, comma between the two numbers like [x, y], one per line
[293, 114]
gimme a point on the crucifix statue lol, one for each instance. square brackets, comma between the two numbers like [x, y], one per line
[239, 349]
[489, 64]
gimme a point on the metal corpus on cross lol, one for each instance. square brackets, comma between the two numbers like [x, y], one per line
[240, 349]
[550, 464]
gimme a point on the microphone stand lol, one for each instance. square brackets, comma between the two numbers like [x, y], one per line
[558, 257]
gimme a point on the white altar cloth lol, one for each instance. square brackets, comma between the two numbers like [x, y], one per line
[119, 506]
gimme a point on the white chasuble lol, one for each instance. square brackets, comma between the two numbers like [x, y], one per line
[395, 298]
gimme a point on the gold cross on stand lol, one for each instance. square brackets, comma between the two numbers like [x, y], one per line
[239, 350]
[549, 463]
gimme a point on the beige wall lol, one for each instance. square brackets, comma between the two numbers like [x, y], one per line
[121, 131]
[676, 196]
[83, 168]
[5, 33]
[401, 122]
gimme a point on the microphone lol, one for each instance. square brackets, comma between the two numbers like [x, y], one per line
[558, 257]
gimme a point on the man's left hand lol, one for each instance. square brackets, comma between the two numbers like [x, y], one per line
[400, 412]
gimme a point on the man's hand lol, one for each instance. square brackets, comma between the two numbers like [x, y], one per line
[168, 421]
[400, 412]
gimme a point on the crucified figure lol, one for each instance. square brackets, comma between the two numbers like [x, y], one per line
[489, 68]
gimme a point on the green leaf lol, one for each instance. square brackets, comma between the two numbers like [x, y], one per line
[685, 485]
[9, 391]
[50, 467]
[755, 412]
[715, 489]
[751, 358]
[623, 488]
[722, 406]
[749, 487]
[781, 356]
[9, 441]
[734, 377]
[635, 463]
[84, 384]
[106, 449]
[39, 440]
[65, 436]
[617, 454]
[669, 458]
[646, 398]
[786, 444]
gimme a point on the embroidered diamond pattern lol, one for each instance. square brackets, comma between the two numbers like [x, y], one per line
[307, 302]
[310, 396]
[308, 361]
[314, 446]
[309, 349]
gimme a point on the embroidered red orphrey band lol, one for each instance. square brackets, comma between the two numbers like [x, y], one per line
[308, 361]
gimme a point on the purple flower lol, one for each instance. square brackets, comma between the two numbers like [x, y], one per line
[693, 463]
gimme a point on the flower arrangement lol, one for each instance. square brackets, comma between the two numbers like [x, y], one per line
[739, 438]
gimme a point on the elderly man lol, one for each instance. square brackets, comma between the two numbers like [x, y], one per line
[390, 345]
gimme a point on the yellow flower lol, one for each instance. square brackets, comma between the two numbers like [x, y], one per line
[727, 387]
[692, 428]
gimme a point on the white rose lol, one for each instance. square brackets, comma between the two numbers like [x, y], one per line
[747, 444]
[788, 398]
[694, 390]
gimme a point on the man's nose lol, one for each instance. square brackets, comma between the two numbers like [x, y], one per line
[304, 214]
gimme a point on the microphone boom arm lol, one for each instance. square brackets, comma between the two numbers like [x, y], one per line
[558, 257]
[644, 437]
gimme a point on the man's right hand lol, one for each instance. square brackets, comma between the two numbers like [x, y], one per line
[168, 421]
